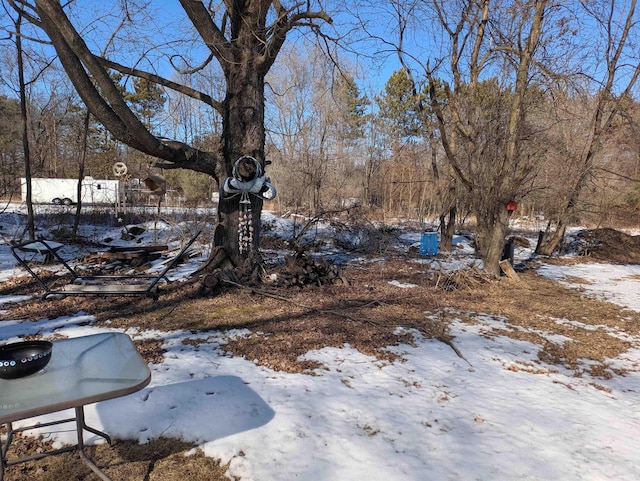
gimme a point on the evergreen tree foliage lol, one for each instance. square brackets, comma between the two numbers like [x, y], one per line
[355, 105]
[399, 107]
[147, 100]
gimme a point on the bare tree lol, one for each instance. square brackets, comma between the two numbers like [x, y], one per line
[607, 106]
[478, 80]
[314, 129]
[244, 38]
[499, 60]
[25, 125]
[298, 131]
[483, 134]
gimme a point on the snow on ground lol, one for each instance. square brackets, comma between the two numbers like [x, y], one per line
[432, 415]
[616, 283]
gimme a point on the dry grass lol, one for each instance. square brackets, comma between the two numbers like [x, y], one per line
[541, 306]
[158, 460]
[286, 324]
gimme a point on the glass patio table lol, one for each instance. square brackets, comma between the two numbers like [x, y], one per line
[82, 370]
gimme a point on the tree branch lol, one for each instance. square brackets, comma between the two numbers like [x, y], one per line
[283, 25]
[76, 56]
[444, 137]
[183, 89]
[22, 11]
[211, 35]
[103, 99]
[475, 65]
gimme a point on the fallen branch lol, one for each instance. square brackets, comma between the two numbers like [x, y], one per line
[446, 338]
[450, 343]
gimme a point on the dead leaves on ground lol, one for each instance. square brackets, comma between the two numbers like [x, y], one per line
[365, 314]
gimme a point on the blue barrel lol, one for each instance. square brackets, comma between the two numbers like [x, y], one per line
[429, 244]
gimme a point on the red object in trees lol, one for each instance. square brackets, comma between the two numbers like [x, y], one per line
[511, 206]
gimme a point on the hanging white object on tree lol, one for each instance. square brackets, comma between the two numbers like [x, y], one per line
[257, 184]
[247, 178]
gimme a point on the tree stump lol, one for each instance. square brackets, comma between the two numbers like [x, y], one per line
[508, 270]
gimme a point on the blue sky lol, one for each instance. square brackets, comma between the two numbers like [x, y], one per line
[375, 59]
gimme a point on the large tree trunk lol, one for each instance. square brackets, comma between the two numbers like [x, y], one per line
[244, 37]
[549, 240]
[490, 234]
[243, 135]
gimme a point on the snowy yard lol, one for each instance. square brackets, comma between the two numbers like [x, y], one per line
[496, 414]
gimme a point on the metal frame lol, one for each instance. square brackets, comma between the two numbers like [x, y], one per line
[94, 285]
[52, 390]
[81, 426]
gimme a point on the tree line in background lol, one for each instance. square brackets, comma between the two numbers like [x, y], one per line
[517, 104]
[329, 151]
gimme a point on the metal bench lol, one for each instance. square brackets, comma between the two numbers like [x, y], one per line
[104, 285]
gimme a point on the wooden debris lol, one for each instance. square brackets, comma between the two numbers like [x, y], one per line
[302, 270]
[463, 279]
[508, 271]
[298, 271]
[138, 258]
[448, 340]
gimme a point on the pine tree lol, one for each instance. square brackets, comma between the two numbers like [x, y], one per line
[399, 107]
[147, 100]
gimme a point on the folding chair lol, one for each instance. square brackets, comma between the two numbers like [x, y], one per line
[93, 285]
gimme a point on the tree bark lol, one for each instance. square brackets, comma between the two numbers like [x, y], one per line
[243, 134]
[490, 235]
[447, 228]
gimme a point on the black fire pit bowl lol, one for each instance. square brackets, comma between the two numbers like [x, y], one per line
[20, 359]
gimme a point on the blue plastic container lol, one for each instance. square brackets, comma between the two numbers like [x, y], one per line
[429, 244]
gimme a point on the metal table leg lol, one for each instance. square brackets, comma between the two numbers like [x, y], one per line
[81, 426]
[4, 449]
[3, 452]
